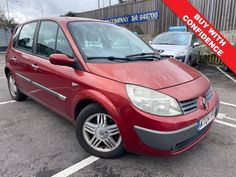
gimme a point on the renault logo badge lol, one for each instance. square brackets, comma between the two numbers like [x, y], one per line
[205, 103]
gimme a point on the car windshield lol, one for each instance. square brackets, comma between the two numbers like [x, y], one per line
[100, 40]
[172, 39]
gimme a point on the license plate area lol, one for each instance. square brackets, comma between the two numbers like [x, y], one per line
[206, 120]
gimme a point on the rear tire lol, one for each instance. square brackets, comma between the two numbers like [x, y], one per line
[98, 133]
[13, 88]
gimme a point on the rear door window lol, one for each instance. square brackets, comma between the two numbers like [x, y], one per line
[26, 37]
[47, 38]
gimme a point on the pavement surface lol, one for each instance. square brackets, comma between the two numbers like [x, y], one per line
[34, 141]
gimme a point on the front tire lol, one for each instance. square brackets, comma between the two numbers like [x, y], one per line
[13, 88]
[197, 60]
[188, 61]
[227, 68]
[98, 133]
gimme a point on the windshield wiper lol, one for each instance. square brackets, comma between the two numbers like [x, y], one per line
[144, 56]
[111, 58]
[136, 57]
[165, 43]
[140, 54]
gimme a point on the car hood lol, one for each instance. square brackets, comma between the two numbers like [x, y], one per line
[153, 74]
[174, 50]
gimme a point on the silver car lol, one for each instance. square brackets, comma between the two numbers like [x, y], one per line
[181, 45]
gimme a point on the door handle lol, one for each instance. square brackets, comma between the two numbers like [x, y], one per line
[14, 59]
[35, 66]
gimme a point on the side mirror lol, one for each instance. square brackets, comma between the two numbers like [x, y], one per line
[150, 42]
[61, 59]
[196, 44]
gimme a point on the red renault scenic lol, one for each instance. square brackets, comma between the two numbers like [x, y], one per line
[113, 86]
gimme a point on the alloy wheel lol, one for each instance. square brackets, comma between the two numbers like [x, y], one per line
[12, 86]
[101, 133]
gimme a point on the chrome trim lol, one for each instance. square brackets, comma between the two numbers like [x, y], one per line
[61, 97]
[23, 77]
[167, 132]
[188, 106]
[74, 84]
[52, 92]
[34, 66]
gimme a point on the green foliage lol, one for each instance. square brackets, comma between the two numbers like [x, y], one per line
[4, 22]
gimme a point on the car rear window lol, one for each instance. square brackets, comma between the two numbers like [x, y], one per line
[171, 38]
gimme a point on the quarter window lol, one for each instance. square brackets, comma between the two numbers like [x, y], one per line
[25, 41]
[17, 31]
[47, 38]
[63, 45]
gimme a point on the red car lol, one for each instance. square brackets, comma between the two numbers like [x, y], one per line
[112, 85]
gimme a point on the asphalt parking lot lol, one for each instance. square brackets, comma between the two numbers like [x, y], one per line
[34, 141]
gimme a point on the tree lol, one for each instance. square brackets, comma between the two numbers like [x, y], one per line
[4, 22]
[2, 16]
[70, 14]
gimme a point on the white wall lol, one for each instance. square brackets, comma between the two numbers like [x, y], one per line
[4, 37]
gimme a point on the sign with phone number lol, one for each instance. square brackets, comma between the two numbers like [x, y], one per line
[139, 17]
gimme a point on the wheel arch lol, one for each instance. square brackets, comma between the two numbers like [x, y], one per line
[6, 70]
[81, 105]
[89, 97]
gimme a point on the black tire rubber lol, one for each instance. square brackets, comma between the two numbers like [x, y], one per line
[83, 115]
[197, 60]
[226, 68]
[19, 95]
[188, 61]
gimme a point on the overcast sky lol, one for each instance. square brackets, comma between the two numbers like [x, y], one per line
[21, 10]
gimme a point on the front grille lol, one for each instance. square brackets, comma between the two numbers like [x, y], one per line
[209, 94]
[188, 106]
[191, 105]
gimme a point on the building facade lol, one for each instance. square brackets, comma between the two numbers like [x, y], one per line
[221, 13]
[5, 34]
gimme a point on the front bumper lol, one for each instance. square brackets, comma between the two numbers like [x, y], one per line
[171, 140]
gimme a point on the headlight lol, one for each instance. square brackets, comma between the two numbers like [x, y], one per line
[182, 53]
[152, 101]
[182, 58]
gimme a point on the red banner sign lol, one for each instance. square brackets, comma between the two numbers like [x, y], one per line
[205, 31]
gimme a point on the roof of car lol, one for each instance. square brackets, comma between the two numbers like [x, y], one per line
[67, 19]
[175, 32]
[188, 32]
